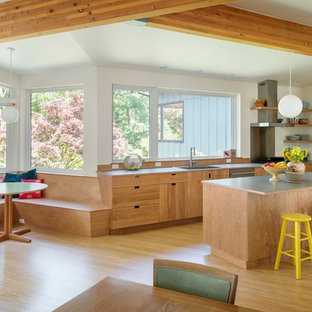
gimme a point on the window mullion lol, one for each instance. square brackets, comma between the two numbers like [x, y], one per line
[154, 124]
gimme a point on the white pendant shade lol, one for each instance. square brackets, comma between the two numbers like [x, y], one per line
[10, 114]
[290, 106]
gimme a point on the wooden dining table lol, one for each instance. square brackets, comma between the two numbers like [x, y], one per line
[8, 189]
[115, 295]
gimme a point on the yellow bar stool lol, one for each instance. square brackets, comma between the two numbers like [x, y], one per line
[295, 252]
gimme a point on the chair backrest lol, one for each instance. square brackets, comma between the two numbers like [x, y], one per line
[195, 279]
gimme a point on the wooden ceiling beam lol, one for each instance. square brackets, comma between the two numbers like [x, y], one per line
[30, 18]
[232, 24]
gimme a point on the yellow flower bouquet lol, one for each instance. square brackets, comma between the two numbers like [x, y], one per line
[295, 153]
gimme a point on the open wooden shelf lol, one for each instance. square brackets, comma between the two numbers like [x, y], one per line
[298, 141]
[300, 125]
[275, 108]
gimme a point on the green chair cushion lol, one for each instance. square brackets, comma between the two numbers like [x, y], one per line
[193, 283]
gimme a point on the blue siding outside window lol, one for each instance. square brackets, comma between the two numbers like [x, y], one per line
[208, 125]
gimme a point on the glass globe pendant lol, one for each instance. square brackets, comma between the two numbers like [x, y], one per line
[290, 106]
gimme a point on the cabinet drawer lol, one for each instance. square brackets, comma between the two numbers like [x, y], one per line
[136, 179]
[135, 194]
[134, 215]
[173, 177]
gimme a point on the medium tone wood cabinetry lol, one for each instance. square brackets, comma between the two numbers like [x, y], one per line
[259, 171]
[172, 201]
[173, 188]
[135, 200]
[143, 199]
[308, 167]
[194, 206]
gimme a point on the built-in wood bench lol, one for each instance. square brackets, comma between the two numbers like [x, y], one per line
[70, 204]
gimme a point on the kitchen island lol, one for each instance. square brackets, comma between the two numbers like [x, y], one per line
[242, 216]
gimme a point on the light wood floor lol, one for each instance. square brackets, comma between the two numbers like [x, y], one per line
[56, 267]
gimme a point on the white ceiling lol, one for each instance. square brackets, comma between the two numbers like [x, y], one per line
[127, 45]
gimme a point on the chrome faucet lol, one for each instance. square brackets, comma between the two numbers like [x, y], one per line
[192, 153]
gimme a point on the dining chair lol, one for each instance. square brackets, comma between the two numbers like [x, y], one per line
[195, 279]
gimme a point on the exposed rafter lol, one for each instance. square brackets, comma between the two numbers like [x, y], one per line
[29, 18]
[224, 22]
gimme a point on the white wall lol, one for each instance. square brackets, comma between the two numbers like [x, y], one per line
[97, 83]
[282, 132]
[13, 129]
[85, 76]
[109, 76]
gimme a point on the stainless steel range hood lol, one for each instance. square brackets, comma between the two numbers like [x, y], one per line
[267, 92]
[262, 133]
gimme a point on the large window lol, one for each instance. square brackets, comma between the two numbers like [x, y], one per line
[57, 129]
[161, 124]
[208, 125]
[131, 127]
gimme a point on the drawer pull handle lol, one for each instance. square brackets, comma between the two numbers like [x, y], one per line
[173, 174]
[136, 187]
[136, 206]
[209, 175]
[136, 177]
[173, 184]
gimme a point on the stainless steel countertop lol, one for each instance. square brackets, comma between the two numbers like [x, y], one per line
[118, 172]
[261, 185]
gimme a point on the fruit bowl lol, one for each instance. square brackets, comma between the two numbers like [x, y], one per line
[274, 171]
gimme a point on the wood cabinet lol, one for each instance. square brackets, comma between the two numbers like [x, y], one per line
[194, 206]
[135, 200]
[259, 171]
[173, 191]
[308, 167]
[142, 199]
[172, 201]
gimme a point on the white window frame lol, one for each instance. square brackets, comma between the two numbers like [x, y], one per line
[28, 129]
[153, 140]
[162, 139]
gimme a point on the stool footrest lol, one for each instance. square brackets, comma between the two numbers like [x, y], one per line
[306, 258]
[287, 253]
[307, 252]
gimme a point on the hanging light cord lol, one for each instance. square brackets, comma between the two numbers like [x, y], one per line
[11, 74]
[290, 73]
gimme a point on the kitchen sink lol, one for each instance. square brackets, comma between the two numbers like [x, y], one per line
[199, 167]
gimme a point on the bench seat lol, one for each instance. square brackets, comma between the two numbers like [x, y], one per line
[64, 216]
[70, 204]
[61, 204]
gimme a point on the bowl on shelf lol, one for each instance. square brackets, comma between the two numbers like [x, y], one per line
[259, 103]
[274, 171]
[303, 136]
[293, 137]
[305, 104]
[303, 121]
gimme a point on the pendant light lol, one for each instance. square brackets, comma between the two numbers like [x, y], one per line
[10, 113]
[290, 106]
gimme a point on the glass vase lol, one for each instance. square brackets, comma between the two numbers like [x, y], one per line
[133, 162]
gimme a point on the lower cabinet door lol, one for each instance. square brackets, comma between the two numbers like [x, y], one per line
[134, 215]
[172, 201]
